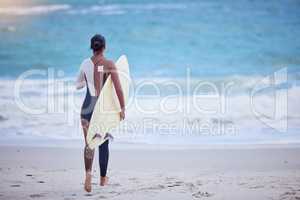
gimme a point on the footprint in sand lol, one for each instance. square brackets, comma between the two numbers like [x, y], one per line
[68, 198]
[36, 195]
[199, 183]
[115, 193]
[200, 194]
[41, 181]
[191, 186]
[170, 178]
[135, 180]
[16, 185]
[156, 187]
[289, 193]
[175, 184]
[256, 187]
[115, 184]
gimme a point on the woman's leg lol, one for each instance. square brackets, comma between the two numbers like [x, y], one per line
[103, 161]
[88, 158]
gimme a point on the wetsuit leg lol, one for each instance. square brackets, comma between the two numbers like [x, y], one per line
[103, 158]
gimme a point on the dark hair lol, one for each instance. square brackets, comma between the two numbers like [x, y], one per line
[97, 42]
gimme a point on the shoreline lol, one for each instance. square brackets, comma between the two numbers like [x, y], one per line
[78, 144]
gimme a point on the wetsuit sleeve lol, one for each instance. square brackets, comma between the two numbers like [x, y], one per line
[116, 81]
[80, 81]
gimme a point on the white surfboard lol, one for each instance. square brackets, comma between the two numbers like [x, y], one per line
[106, 114]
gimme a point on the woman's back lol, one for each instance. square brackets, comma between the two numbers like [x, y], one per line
[93, 73]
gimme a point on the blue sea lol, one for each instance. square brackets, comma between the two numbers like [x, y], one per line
[249, 46]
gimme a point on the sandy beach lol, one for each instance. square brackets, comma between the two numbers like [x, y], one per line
[210, 96]
[57, 173]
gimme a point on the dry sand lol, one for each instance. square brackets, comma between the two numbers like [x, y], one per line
[57, 173]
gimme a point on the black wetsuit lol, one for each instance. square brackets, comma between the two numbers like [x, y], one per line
[86, 113]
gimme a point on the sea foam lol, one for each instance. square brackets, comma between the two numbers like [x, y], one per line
[34, 10]
[170, 119]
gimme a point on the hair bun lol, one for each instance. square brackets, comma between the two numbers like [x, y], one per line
[97, 42]
[97, 46]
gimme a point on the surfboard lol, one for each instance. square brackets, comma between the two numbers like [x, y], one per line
[106, 114]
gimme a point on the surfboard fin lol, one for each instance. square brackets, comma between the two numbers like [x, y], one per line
[109, 136]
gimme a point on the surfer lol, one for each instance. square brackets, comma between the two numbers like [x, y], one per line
[93, 74]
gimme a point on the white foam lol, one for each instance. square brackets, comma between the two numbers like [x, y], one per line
[60, 120]
[118, 9]
[34, 10]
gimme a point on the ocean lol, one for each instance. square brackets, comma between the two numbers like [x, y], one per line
[203, 72]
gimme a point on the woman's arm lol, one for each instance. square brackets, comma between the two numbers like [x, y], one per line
[116, 81]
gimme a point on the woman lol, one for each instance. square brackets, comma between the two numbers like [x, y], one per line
[93, 73]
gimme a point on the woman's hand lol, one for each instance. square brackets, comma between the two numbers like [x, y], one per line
[122, 114]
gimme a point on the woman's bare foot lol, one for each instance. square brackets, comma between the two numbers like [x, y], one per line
[104, 181]
[88, 182]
